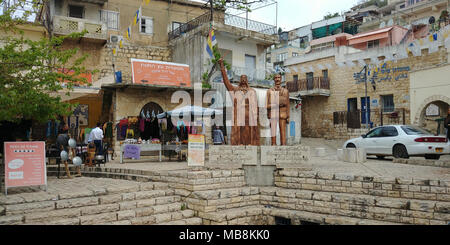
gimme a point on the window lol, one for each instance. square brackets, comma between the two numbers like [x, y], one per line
[390, 132]
[294, 54]
[325, 74]
[295, 78]
[76, 11]
[268, 60]
[176, 25]
[282, 57]
[373, 44]
[111, 19]
[375, 133]
[387, 102]
[413, 130]
[146, 25]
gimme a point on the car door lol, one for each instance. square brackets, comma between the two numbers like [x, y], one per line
[388, 140]
[370, 142]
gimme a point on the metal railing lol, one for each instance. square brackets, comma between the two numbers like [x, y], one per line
[67, 25]
[309, 84]
[184, 28]
[251, 25]
[226, 19]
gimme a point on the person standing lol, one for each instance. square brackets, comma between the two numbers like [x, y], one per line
[218, 138]
[447, 124]
[96, 136]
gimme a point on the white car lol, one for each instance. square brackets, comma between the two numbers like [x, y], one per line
[401, 141]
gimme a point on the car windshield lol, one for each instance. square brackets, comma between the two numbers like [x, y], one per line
[413, 130]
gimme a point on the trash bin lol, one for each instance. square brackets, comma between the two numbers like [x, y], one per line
[118, 77]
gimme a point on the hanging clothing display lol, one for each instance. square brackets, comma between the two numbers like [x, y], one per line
[109, 130]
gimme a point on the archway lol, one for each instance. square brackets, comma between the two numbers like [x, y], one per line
[431, 111]
[150, 125]
[151, 110]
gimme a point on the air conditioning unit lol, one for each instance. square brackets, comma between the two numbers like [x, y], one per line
[115, 38]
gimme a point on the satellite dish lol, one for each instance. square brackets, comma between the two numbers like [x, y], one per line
[383, 24]
[390, 22]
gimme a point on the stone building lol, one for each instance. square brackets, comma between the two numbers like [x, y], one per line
[401, 86]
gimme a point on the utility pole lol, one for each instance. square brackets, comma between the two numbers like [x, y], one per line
[366, 99]
[211, 9]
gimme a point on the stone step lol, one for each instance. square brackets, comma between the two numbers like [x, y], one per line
[18, 213]
[113, 214]
[298, 216]
[231, 214]
[189, 221]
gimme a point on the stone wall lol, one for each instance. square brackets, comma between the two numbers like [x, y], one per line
[122, 58]
[398, 200]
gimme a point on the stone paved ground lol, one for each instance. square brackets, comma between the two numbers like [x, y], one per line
[58, 186]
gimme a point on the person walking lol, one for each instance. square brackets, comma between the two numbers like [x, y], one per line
[96, 136]
[447, 124]
[218, 138]
[62, 142]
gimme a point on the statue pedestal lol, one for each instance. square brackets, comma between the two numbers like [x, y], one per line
[269, 155]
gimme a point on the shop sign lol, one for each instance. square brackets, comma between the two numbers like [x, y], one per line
[384, 73]
[196, 150]
[25, 164]
[132, 151]
[149, 72]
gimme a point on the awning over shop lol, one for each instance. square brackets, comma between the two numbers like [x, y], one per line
[78, 92]
[370, 36]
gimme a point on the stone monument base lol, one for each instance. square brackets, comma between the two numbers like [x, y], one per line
[248, 155]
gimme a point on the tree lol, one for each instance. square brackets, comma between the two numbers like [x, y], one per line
[238, 4]
[33, 72]
[329, 16]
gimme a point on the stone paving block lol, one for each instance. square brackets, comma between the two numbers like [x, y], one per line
[128, 205]
[110, 199]
[442, 216]
[30, 207]
[159, 218]
[11, 220]
[126, 215]
[158, 209]
[71, 221]
[98, 218]
[75, 194]
[77, 202]
[11, 199]
[194, 221]
[106, 208]
[55, 214]
[122, 189]
[147, 211]
[39, 197]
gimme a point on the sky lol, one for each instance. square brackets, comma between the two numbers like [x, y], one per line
[296, 13]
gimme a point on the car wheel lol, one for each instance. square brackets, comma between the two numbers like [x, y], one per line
[433, 157]
[400, 151]
[380, 157]
[351, 145]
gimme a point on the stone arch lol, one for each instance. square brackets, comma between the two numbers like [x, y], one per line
[420, 113]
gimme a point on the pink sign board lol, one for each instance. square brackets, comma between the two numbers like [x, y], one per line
[25, 164]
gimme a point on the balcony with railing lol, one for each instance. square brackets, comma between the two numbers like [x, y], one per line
[226, 19]
[317, 86]
[65, 25]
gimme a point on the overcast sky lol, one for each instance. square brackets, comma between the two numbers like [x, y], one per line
[297, 13]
